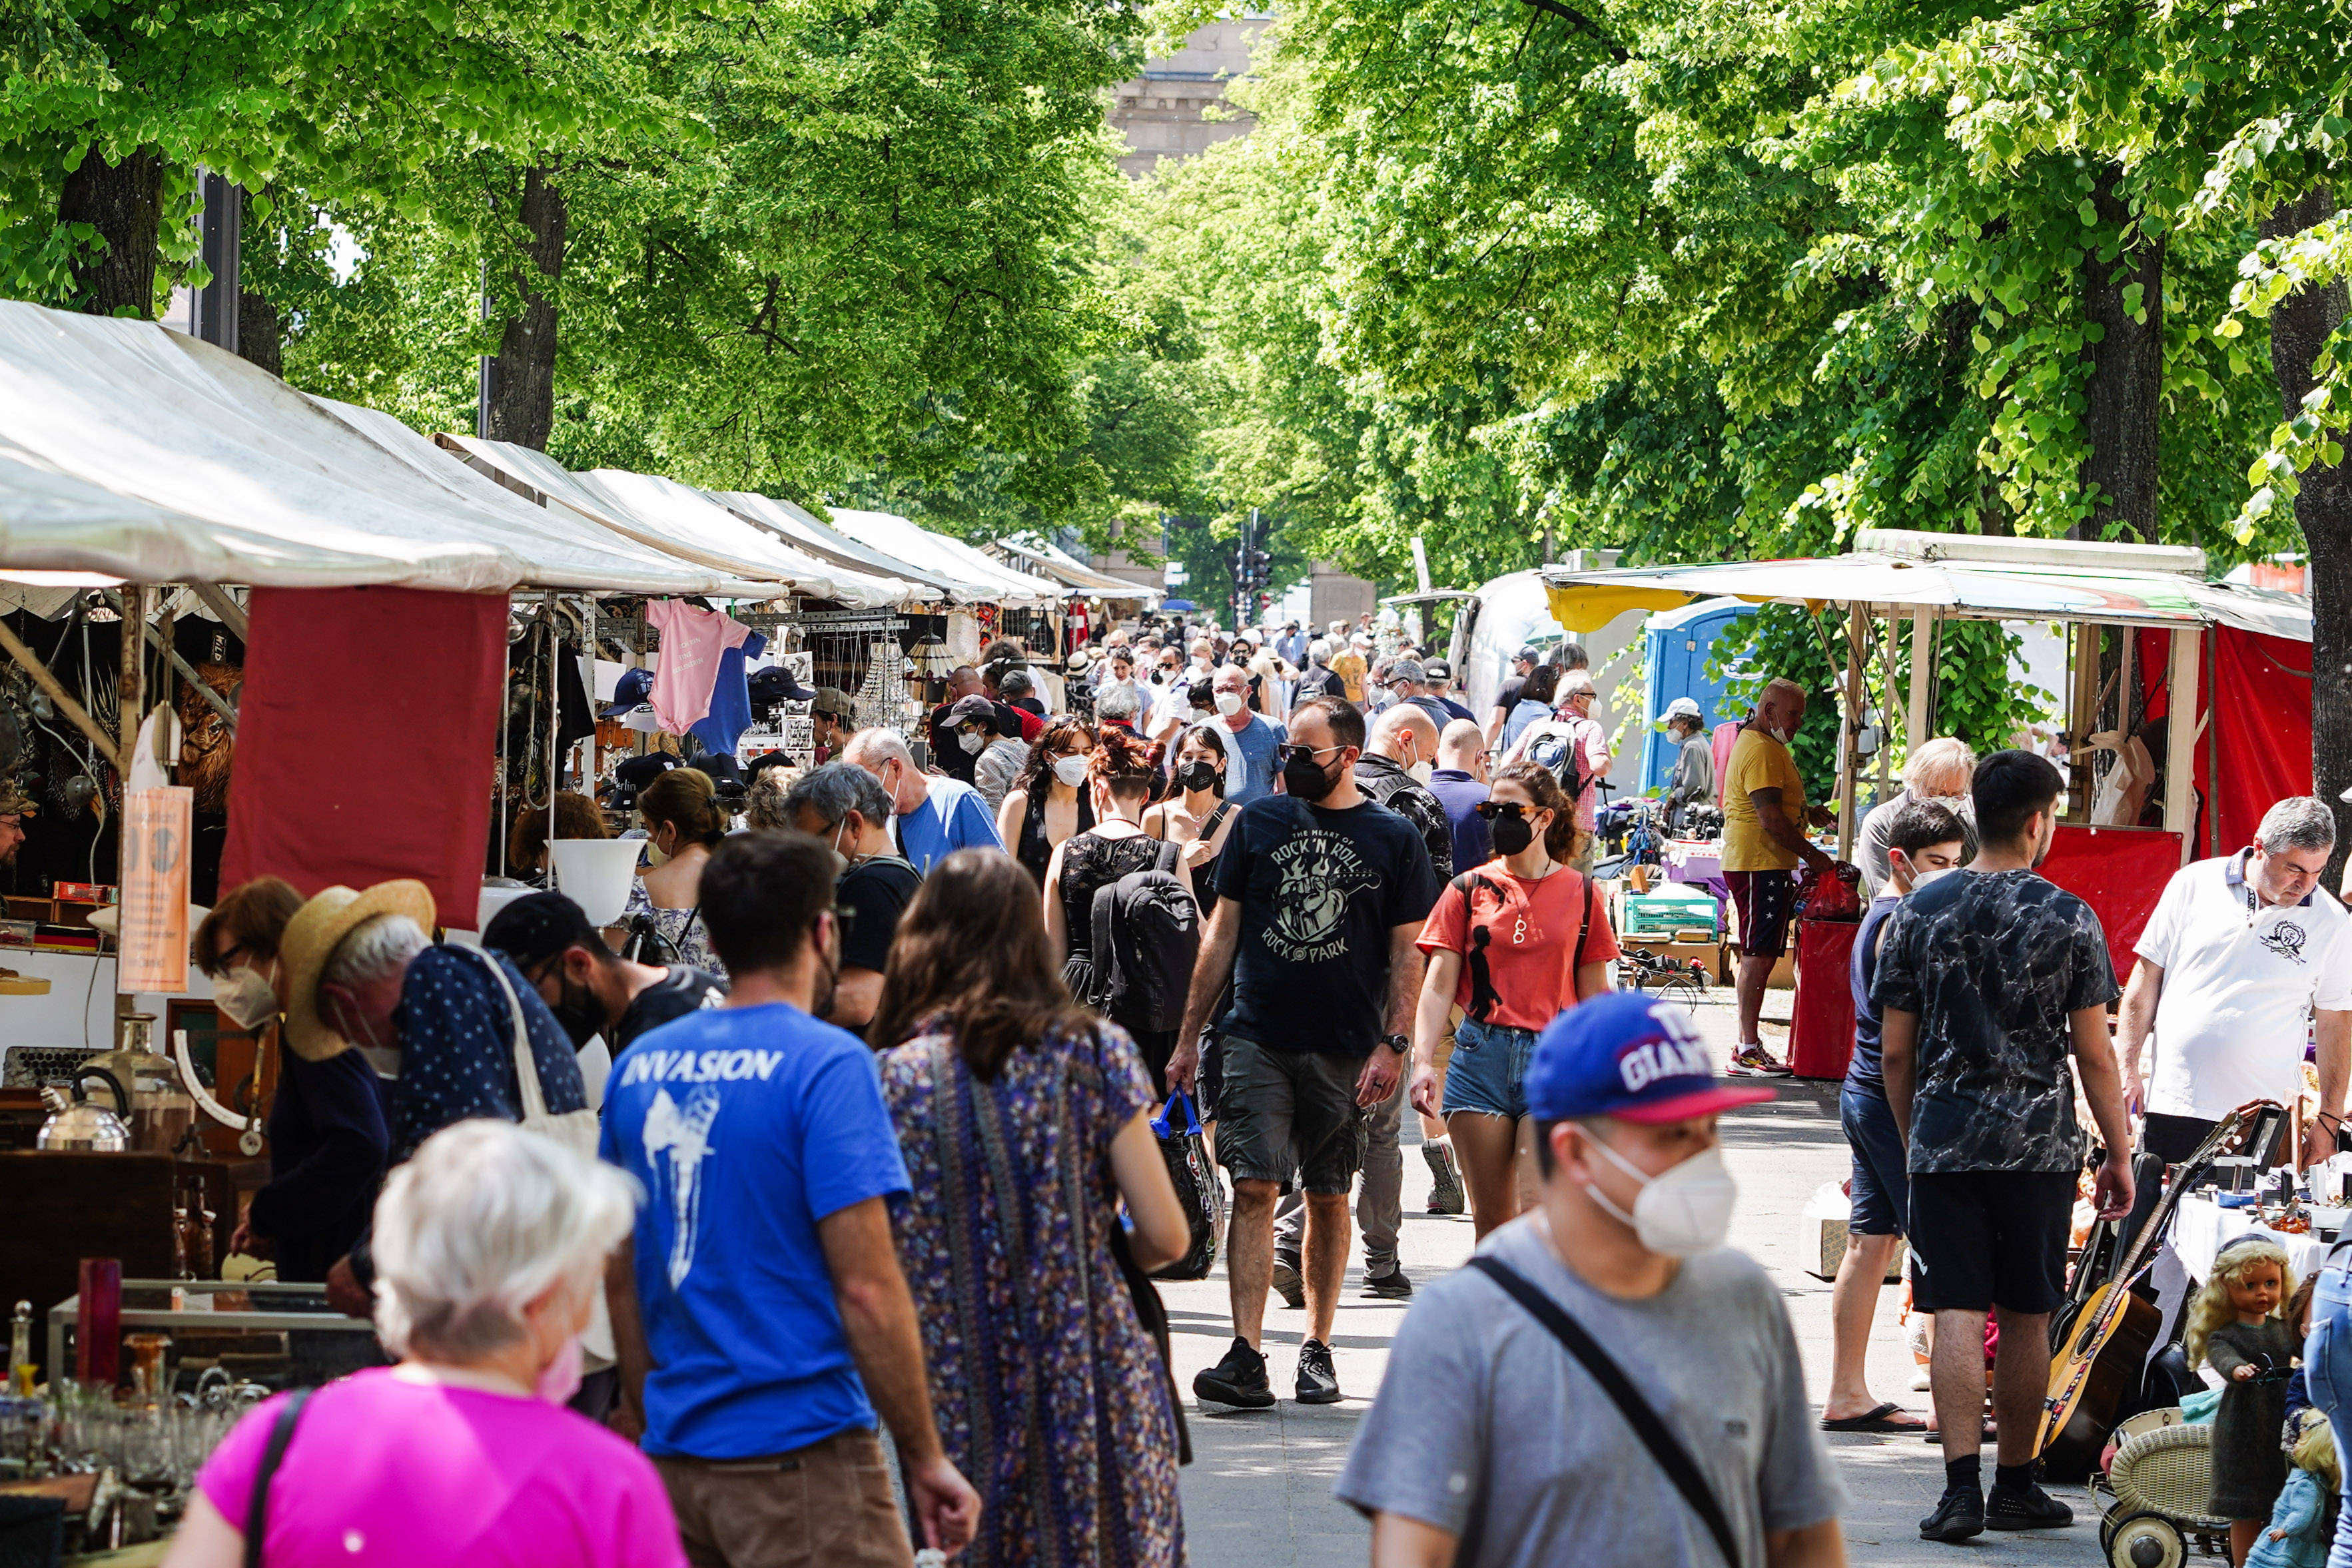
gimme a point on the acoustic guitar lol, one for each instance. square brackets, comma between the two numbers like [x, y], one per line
[2106, 1347]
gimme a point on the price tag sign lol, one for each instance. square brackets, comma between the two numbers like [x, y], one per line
[156, 827]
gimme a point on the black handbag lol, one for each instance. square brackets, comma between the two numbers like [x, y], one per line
[1185, 1148]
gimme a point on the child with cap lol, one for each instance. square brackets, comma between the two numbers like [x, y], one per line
[1493, 1442]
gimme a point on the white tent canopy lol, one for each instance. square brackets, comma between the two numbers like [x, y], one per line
[693, 518]
[896, 536]
[804, 529]
[133, 451]
[1067, 568]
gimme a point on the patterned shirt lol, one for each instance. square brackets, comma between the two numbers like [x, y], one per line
[1991, 963]
[456, 1048]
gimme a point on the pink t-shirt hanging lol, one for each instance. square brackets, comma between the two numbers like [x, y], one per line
[692, 643]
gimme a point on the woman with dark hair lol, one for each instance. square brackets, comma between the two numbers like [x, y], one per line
[683, 824]
[1049, 801]
[1022, 1122]
[1120, 775]
[1537, 694]
[1513, 943]
[1197, 815]
[329, 1136]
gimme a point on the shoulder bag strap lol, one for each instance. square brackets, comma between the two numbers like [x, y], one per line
[527, 1084]
[1583, 930]
[1167, 855]
[1670, 1454]
[256, 1505]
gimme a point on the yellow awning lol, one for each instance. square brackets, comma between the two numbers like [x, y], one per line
[1588, 608]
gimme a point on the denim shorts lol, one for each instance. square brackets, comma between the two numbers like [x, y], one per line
[2327, 1374]
[1490, 1069]
[1881, 1185]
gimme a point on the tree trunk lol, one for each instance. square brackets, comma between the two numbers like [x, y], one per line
[522, 402]
[124, 201]
[2300, 324]
[2126, 376]
[257, 333]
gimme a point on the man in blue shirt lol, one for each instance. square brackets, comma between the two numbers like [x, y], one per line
[763, 1320]
[936, 815]
[1251, 737]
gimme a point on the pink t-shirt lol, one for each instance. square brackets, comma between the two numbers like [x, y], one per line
[384, 1471]
[691, 642]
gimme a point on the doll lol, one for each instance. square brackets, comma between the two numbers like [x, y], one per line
[2235, 1328]
[2299, 1533]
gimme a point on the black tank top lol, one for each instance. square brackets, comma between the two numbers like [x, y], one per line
[1035, 849]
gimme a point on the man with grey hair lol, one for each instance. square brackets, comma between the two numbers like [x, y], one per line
[935, 816]
[1938, 772]
[1316, 677]
[845, 806]
[1574, 746]
[1117, 704]
[2241, 952]
[1250, 737]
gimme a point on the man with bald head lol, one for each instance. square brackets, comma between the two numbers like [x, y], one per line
[1764, 842]
[1251, 737]
[935, 816]
[1459, 782]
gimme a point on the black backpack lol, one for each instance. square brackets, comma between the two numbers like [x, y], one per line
[1146, 933]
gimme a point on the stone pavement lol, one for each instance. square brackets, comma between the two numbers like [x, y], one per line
[1258, 1494]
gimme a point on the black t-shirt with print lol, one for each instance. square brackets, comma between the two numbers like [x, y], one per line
[681, 991]
[1991, 963]
[1320, 892]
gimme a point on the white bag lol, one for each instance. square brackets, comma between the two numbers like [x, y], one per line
[575, 1129]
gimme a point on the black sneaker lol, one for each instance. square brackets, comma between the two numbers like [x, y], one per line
[1237, 1382]
[2024, 1507]
[1317, 1383]
[1445, 1182]
[1287, 1284]
[1959, 1516]
[1393, 1285]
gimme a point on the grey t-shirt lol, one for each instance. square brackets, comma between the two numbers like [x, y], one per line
[1482, 1408]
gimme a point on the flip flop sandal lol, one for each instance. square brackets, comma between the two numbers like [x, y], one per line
[1878, 1420]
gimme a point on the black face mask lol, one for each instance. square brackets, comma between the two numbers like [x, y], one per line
[1303, 777]
[577, 1009]
[1198, 774]
[1512, 833]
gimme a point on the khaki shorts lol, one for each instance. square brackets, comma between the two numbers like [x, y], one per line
[816, 1507]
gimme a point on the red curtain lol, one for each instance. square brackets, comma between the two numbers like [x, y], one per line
[2120, 872]
[367, 731]
[2260, 733]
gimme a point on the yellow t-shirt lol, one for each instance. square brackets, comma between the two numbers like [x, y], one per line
[1349, 666]
[1758, 761]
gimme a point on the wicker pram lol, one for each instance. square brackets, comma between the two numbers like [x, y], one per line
[2161, 1480]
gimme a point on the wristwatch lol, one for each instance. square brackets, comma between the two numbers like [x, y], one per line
[1400, 1044]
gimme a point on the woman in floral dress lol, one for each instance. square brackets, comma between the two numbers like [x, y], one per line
[1023, 1120]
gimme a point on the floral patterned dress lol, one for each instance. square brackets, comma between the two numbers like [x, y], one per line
[1051, 1398]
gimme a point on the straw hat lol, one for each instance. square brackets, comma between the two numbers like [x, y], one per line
[310, 939]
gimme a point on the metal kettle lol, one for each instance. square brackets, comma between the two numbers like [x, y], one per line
[77, 1126]
[158, 1109]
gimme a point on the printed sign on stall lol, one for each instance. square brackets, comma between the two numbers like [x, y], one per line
[156, 827]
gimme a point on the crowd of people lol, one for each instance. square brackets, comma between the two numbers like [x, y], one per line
[849, 1250]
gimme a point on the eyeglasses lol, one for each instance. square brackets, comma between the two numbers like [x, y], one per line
[1488, 810]
[1286, 753]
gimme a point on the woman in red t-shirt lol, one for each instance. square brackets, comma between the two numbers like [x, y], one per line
[1511, 944]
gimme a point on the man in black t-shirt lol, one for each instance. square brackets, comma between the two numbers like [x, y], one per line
[844, 805]
[591, 989]
[1320, 893]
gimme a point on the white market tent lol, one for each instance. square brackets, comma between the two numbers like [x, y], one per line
[691, 515]
[146, 455]
[896, 536]
[1064, 567]
[801, 528]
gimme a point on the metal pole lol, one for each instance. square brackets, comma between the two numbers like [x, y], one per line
[2180, 741]
[74, 711]
[1923, 660]
[506, 696]
[1857, 619]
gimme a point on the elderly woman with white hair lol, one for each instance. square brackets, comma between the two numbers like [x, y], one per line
[491, 1247]
[1940, 771]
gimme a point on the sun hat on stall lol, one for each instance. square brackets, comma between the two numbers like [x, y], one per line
[1635, 1057]
[310, 939]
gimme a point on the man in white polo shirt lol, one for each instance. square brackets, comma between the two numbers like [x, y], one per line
[2245, 957]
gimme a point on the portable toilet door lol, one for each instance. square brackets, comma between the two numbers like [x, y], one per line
[1681, 646]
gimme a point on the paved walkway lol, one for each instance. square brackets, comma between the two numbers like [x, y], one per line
[1258, 1494]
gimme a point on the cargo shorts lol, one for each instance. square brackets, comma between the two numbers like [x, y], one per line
[1281, 1113]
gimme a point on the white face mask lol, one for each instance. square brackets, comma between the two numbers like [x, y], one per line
[1921, 878]
[1421, 772]
[1681, 1212]
[1071, 771]
[972, 741]
[1229, 703]
[246, 996]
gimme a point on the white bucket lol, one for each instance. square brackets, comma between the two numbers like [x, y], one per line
[595, 873]
[493, 900]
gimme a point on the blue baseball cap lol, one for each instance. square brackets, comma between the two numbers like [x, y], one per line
[635, 687]
[1635, 1057]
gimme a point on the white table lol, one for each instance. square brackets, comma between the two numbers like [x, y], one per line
[2202, 1227]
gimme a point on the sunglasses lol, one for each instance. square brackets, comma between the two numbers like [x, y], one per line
[1286, 753]
[1488, 810]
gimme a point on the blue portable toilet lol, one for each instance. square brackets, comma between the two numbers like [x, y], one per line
[1680, 645]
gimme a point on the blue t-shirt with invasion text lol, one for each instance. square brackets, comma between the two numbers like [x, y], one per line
[746, 1126]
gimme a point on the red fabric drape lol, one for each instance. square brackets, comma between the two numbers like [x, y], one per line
[2120, 872]
[2260, 733]
[367, 731]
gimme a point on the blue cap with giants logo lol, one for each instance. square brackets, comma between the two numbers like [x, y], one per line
[1635, 1057]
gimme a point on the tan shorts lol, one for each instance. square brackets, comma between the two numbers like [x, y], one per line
[817, 1506]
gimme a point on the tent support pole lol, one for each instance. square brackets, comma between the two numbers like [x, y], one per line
[131, 686]
[1857, 620]
[1923, 658]
[215, 599]
[1886, 703]
[188, 672]
[2180, 742]
[74, 711]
